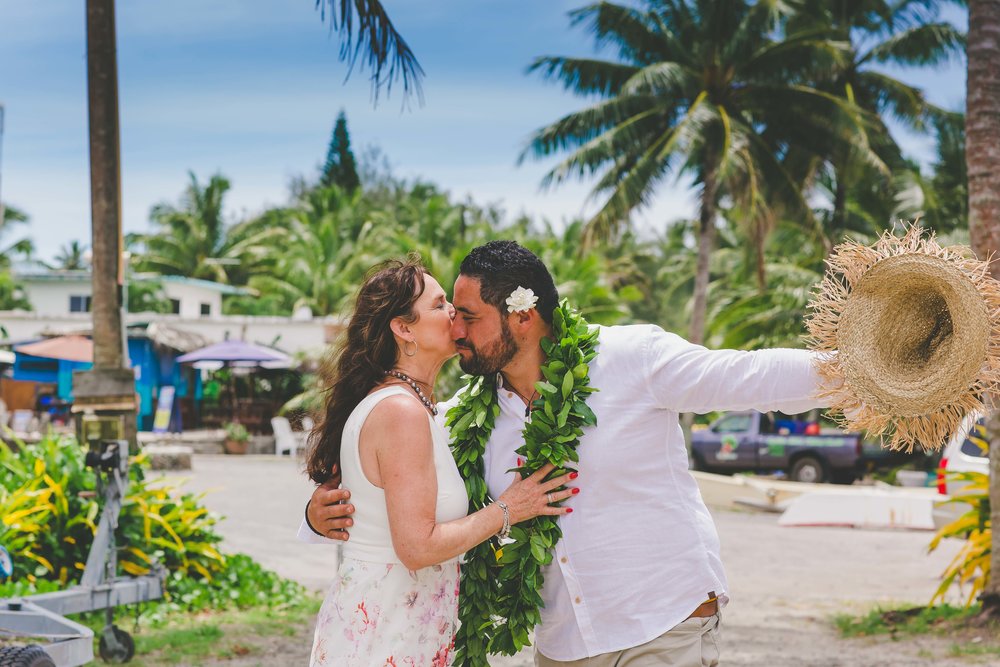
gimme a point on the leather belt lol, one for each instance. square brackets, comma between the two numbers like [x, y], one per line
[706, 609]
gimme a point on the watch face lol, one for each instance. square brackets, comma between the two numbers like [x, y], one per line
[6, 565]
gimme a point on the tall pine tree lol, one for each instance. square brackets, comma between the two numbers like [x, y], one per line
[340, 168]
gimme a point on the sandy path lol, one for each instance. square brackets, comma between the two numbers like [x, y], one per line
[786, 582]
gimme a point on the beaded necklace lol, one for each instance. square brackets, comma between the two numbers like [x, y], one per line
[416, 389]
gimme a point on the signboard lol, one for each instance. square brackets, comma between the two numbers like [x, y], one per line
[164, 405]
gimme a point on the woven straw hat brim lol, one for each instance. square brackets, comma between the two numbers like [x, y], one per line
[914, 328]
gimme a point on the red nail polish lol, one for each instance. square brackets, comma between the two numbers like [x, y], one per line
[574, 475]
[576, 491]
[568, 510]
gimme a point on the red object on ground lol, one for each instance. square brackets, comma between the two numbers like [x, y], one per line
[942, 485]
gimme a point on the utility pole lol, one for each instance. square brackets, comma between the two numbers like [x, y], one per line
[105, 394]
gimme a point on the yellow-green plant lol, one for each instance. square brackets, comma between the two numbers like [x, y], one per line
[49, 509]
[971, 565]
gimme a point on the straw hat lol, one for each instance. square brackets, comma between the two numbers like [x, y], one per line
[909, 336]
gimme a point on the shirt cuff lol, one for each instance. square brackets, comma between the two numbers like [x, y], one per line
[306, 535]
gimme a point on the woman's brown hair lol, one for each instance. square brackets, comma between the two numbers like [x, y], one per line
[366, 352]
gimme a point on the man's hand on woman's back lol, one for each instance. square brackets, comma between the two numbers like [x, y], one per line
[329, 510]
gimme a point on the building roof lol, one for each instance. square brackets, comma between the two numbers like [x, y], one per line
[160, 334]
[69, 348]
[206, 284]
[32, 271]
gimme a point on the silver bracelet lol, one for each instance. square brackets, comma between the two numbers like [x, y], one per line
[505, 531]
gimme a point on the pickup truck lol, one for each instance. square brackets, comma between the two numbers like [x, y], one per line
[752, 441]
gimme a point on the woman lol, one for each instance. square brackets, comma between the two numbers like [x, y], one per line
[395, 600]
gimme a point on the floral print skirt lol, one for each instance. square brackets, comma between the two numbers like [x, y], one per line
[383, 615]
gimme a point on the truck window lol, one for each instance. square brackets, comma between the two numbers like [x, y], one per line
[977, 444]
[734, 424]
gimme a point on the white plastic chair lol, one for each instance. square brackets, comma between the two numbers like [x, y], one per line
[285, 439]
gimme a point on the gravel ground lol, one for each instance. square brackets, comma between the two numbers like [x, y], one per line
[786, 583]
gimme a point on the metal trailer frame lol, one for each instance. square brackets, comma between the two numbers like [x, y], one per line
[42, 616]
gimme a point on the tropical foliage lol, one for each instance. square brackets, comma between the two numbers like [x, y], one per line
[970, 568]
[48, 515]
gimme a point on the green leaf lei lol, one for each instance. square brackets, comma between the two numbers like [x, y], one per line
[500, 583]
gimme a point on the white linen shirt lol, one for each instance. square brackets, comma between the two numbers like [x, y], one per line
[640, 551]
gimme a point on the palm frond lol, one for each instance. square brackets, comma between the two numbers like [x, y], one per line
[627, 29]
[367, 33]
[887, 94]
[584, 76]
[631, 187]
[922, 45]
[581, 127]
[662, 79]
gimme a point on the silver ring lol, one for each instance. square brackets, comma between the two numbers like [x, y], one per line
[548, 497]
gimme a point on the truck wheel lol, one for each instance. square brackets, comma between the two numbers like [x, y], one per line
[807, 469]
[25, 656]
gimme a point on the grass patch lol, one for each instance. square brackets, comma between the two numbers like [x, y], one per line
[914, 620]
[973, 649]
[213, 637]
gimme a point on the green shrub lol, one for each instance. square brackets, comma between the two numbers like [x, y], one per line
[49, 509]
[48, 515]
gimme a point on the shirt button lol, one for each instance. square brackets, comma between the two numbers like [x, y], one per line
[578, 600]
[563, 560]
[510, 395]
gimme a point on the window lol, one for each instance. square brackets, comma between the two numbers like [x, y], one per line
[79, 304]
[206, 309]
[977, 444]
[734, 424]
[175, 306]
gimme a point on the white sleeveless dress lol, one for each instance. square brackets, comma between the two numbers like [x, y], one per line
[377, 613]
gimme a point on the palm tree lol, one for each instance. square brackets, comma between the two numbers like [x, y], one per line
[903, 33]
[947, 191]
[703, 87]
[982, 155]
[327, 242]
[71, 257]
[194, 240]
[22, 246]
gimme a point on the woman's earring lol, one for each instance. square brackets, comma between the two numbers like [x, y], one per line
[406, 350]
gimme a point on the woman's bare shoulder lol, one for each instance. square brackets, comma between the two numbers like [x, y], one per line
[399, 413]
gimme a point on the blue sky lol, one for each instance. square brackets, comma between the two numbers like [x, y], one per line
[251, 88]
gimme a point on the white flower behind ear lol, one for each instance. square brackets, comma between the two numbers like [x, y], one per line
[520, 300]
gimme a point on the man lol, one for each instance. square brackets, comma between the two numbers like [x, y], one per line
[637, 577]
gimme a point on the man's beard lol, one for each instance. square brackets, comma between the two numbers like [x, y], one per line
[489, 360]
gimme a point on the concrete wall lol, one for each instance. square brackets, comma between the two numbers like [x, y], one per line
[52, 298]
[49, 297]
[191, 298]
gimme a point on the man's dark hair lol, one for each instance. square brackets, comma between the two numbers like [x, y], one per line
[503, 266]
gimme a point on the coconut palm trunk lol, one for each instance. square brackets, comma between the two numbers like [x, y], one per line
[982, 127]
[706, 242]
[105, 185]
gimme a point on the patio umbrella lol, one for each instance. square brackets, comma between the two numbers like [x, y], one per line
[236, 353]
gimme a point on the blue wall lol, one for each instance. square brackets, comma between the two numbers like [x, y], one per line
[152, 371]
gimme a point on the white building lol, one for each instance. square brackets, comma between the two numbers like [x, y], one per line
[60, 302]
[53, 292]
